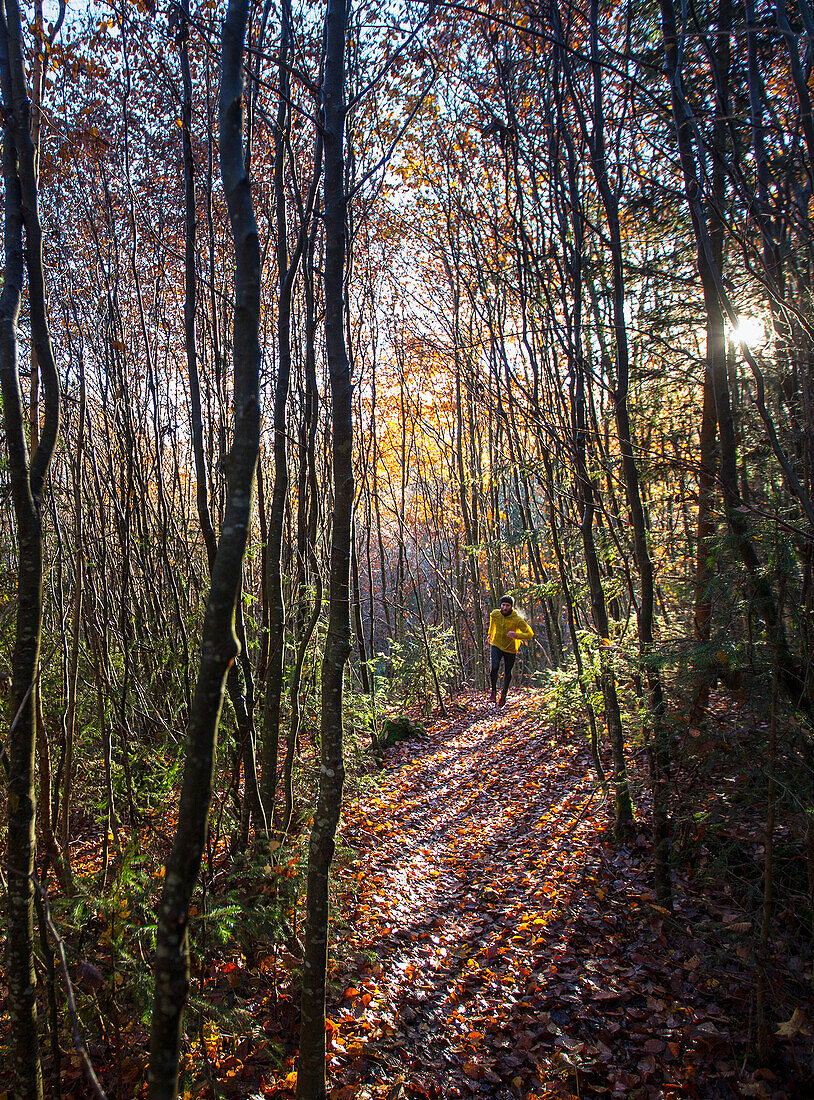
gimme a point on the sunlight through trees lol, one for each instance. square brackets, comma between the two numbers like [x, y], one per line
[322, 328]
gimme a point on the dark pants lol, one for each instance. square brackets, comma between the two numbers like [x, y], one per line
[508, 665]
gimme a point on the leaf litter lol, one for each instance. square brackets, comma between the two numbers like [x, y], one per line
[490, 940]
[499, 944]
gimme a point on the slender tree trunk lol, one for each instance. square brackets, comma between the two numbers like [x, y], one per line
[296, 681]
[311, 1074]
[241, 699]
[792, 677]
[35, 124]
[76, 630]
[27, 478]
[714, 363]
[219, 646]
[358, 625]
[586, 493]
[763, 952]
[630, 474]
[471, 533]
[572, 626]
[270, 738]
[287, 271]
[704, 571]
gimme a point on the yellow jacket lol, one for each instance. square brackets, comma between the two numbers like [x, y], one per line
[499, 627]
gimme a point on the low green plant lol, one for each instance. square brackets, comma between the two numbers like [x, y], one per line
[398, 729]
[410, 664]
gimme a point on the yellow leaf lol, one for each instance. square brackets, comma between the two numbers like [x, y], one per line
[796, 1025]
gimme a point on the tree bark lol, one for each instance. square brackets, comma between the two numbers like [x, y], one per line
[792, 676]
[274, 586]
[27, 478]
[219, 645]
[311, 1074]
[287, 267]
[585, 489]
[633, 496]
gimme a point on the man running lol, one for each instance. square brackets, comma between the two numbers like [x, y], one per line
[507, 632]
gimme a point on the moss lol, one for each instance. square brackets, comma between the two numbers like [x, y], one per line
[399, 729]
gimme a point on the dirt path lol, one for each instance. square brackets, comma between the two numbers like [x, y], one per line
[501, 946]
[469, 881]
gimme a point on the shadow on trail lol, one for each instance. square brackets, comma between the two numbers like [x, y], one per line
[503, 947]
[458, 915]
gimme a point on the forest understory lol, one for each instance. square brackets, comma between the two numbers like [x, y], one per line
[343, 347]
[489, 939]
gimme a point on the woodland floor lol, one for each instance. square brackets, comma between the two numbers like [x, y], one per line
[490, 940]
[504, 947]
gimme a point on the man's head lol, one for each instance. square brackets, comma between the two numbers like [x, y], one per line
[506, 605]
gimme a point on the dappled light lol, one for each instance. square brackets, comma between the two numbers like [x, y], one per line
[407, 550]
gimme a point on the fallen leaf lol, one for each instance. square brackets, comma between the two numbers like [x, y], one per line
[796, 1025]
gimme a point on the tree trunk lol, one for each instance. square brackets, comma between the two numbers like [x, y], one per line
[219, 645]
[630, 474]
[27, 478]
[311, 1075]
[714, 363]
[792, 677]
[270, 738]
[586, 493]
[287, 271]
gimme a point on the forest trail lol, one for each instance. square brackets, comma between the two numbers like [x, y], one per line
[474, 869]
[499, 945]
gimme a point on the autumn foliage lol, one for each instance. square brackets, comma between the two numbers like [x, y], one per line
[321, 329]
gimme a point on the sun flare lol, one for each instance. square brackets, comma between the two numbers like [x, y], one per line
[750, 331]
